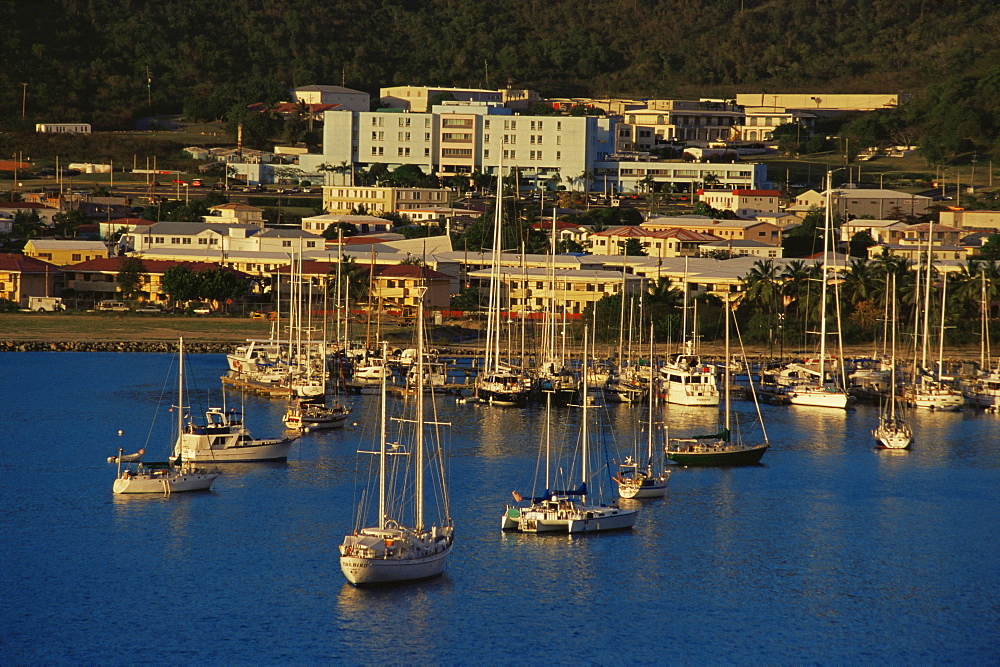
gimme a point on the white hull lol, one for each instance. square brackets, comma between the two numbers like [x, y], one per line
[366, 571]
[681, 395]
[934, 399]
[164, 482]
[561, 516]
[394, 555]
[817, 397]
[655, 489]
[266, 451]
[892, 438]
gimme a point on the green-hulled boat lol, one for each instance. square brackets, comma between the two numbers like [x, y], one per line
[719, 449]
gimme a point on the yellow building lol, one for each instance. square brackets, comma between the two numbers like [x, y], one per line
[65, 252]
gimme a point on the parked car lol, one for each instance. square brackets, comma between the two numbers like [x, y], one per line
[112, 306]
[148, 308]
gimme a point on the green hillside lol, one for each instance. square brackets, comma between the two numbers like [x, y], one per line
[87, 60]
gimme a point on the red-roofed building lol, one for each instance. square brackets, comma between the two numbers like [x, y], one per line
[674, 242]
[22, 276]
[744, 203]
[97, 279]
[396, 288]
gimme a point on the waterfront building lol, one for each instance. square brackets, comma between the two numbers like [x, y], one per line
[366, 224]
[399, 288]
[535, 289]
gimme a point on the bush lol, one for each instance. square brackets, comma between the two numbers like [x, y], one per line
[8, 306]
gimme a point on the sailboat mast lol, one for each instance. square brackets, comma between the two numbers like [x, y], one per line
[827, 226]
[944, 301]
[927, 294]
[649, 426]
[419, 523]
[892, 346]
[381, 447]
[584, 431]
[180, 396]
[728, 307]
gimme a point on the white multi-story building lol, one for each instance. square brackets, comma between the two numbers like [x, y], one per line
[463, 138]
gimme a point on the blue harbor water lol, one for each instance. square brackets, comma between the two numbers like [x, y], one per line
[828, 552]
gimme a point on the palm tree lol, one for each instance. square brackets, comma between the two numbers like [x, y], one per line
[763, 289]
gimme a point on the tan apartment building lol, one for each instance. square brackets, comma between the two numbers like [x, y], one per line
[725, 230]
[382, 199]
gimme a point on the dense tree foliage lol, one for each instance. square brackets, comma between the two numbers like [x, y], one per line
[110, 62]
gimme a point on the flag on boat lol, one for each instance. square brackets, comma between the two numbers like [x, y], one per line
[517, 496]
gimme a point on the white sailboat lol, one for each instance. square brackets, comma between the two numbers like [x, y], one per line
[392, 551]
[174, 476]
[822, 394]
[569, 511]
[648, 480]
[893, 430]
[927, 391]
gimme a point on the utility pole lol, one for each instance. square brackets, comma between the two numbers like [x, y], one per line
[24, 100]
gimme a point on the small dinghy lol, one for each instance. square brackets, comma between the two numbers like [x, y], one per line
[127, 458]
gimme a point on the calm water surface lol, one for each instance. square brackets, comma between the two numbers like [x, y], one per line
[830, 552]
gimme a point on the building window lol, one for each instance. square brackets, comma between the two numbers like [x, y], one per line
[77, 257]
[286, 244]
[486, 124]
